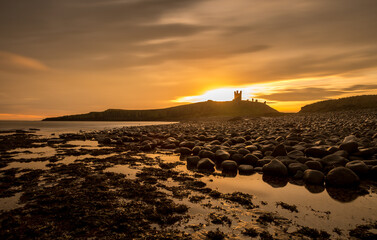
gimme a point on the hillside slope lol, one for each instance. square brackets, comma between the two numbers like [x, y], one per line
[189, 111]
[342, 104]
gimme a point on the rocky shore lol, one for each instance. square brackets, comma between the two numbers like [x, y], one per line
[82, 198]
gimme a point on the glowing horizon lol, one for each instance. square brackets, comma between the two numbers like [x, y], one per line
[96, 55]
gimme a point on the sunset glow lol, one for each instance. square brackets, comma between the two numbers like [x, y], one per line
[67, 57]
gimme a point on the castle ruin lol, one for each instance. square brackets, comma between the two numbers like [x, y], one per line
[237, 96]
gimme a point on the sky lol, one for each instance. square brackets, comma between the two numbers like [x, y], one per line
[76, 56]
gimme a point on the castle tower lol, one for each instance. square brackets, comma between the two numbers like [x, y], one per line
[237, 96]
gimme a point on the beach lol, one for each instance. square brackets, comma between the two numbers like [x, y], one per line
[230, 179]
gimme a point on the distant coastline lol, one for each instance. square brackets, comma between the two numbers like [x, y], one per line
[183, 112]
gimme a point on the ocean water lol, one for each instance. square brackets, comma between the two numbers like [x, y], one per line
[59, 127]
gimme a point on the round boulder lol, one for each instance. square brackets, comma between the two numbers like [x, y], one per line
[275, 168]
[229, 165]
[279, 150]
[296, 154]
[206, 164]
[185, 151]
[315, 165]
[334, 160]
[187, 144]
[243, 151]
[237, 157]
[245, 170]
[358, 167]
[342, 177]
[222, 155]
[192, 160]
[196, 150]
[206, 154]
[313, 177]
[316, 152]
[294, 167]
[250, 159]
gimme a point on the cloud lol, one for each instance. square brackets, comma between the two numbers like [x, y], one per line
[315, 93]
[361, 87]
[304, 94]
[10, 62]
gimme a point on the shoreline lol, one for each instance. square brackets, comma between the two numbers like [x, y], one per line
[162, 197]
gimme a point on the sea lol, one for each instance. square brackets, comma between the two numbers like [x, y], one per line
[47, 128]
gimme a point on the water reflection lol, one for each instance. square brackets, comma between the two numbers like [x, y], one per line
[315, 188]
[345, 195]
[275, 182]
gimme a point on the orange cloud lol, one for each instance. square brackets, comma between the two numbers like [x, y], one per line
[11, 62]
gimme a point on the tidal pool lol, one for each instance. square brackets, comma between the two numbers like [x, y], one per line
[318, 207]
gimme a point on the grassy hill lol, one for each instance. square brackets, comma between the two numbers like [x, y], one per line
[342, 104]
[184, 112]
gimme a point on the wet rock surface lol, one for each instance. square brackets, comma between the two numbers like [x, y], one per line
[76, 191]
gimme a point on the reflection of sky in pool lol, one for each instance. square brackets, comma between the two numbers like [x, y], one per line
[318, 207]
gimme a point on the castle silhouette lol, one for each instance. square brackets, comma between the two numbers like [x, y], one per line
[238, 97]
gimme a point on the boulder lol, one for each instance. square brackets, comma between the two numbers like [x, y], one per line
[229, 165]
[296, 154]
[237, 157]
[349, 147]
[294, 167]
[196, 150]
[206, 154]
[279, 150]
[251, 148]
[358, 167]
[222, 155]
[341, 153]
[243, 151]
[342, 177]
[275, 168]
[249, 159]
[185, 151]
[245, 170]
[334, 160]
[146, 147]
[187, 144]
[315, 165]
[206, 164]
[373, 172]
[299, 175]
[316, 152]
[192, 160]
[314, 177]
[349, 144]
